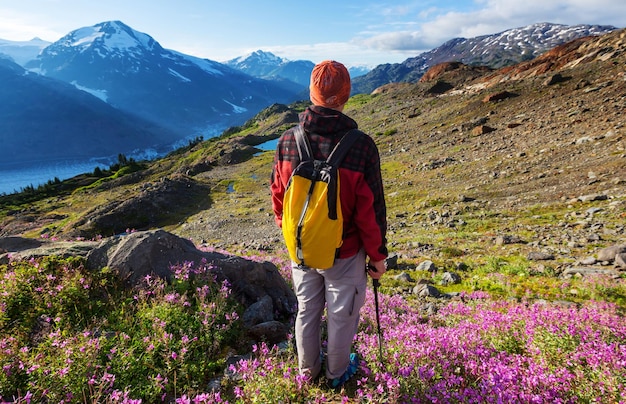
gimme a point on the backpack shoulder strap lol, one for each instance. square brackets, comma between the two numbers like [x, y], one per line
[302, 141]
[341, 149]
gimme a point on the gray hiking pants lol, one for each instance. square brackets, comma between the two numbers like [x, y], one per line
[342, 289]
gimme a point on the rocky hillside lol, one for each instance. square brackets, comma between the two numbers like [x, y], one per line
[496, 50]
[474, 159]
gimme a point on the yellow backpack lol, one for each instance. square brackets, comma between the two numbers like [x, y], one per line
[312, 222]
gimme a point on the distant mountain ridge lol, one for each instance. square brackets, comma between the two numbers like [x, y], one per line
[42, 119]
[22, 52]
[107, 89]
[267, 65]
[132, 72]
[495, 51]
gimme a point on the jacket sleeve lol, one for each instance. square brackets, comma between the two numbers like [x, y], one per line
[371, 217]
[277, 189]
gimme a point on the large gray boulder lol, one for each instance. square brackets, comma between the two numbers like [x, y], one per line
[608, 254]
[154, 252]
[268, 300]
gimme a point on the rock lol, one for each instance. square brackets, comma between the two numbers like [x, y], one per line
[271, 332]
[143, 253]
[392, 261]
[154, 252]
[16, 243]
[149, 208]
[507, 239]
[502, 95]
[215, 384]
[404, 277]
[426, 290]
[589, 271]
[439, 87]
[592, 238]
[593, 197]
[593, 211]
[584, 139]
[427, 266]
[608, 254]
[258, 286]
[450, 278]
[25, 248]
[437, 70]
[554, 79]
[429, 309]
[259, 312]
[540, 256]
[465, 198]
[482, 130]
[620, 260]
[462, 266]
[588, 261]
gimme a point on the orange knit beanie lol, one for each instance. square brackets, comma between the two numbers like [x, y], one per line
[330, 84]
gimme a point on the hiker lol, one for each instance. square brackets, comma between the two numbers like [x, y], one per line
[341, 287]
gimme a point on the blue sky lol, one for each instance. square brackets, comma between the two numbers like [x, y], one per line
[355, 32]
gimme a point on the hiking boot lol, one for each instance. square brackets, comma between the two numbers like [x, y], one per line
[353, 366]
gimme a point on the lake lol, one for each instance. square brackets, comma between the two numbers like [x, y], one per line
[269, 145]
[15, 178]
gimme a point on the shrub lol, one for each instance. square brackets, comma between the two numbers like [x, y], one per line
[71, 334]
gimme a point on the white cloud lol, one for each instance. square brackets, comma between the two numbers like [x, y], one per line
[400, 32]
[19, 27]
[398, 41]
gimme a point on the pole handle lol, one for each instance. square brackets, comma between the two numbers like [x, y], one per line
[371, 267]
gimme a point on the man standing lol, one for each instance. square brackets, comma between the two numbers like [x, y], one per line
[342, 287]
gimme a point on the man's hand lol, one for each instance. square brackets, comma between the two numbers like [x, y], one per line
[376, 269]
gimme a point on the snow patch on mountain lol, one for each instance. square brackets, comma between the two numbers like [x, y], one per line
[179, 76]
[206, 65]
[108, 38]
[496, 50]
[537, 37]
[102, 94]
[84, 37]
[256, 58]
[236, 108]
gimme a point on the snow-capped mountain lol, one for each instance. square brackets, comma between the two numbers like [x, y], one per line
[22, 52]
[267, 65]
[496, 50]
[356, 71]
[131, 71]
[257, 63]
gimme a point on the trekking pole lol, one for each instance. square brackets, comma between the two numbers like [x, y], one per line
[376, 284]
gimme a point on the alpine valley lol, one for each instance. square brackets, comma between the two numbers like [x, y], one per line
[168, 280]
[108, 90]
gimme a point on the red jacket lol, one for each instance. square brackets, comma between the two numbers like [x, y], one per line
[361, 193]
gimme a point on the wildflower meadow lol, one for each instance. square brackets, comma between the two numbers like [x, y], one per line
[70, 335]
